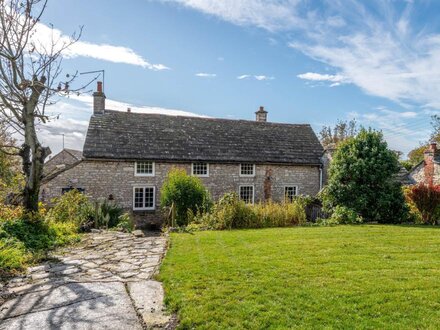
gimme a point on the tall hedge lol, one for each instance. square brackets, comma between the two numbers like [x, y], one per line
[184, 193]
[362, 178]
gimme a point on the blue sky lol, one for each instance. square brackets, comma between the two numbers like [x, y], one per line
[305, 61]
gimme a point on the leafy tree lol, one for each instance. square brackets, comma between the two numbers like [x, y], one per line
[340, 132]
[30, 71]
[415, 156]
[10, 175]
[184, 193]
[361, 178]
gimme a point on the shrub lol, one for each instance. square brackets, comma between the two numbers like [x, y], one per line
[362, 178]
[75, 207]
[70, 207]
[182, 193]
[344, 215]
[125, 223]
[230, 212]
[426, 198]
[40, 235]
[13, 254]
[106, 214]
[9, 212]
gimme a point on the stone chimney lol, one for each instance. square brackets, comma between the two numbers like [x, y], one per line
[261, 115]
[99, 100]
[429, 157]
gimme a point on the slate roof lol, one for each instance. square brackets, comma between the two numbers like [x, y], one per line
[134, 136]
[75, 153]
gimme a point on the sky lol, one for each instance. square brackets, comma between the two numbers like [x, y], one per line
[305, 61]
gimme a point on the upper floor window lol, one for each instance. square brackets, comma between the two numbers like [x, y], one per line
[246, 194]
[290, 192]
[144, 198]
[200, 169]
[144, 168]
[247, 169]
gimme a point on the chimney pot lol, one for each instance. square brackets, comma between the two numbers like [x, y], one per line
[99, 87]
[128, 109]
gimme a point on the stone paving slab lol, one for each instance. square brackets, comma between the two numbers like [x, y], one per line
[103, 283]
[147, 297]
[72, 306]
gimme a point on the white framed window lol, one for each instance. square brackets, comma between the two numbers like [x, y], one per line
[246, 194]
[200, 169]
[144, 198]
[247, 169]
[144, 168]
[290, 192]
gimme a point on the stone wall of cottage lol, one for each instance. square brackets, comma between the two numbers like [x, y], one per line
[418, 173]
[102, 179]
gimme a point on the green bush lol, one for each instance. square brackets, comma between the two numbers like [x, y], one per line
[72, 206]
[230, 212]
[103, 214]
[13, 254]
[126, 223]
[75, 207]
[181, 193]
[39, 235]
[362, 178]
[344, 215]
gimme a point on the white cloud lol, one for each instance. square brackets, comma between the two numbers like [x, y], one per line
[116, 54]
[261, 77]
[402, 130]
[206, 75]
[334, 79]
[271, 15]
[376, 46]
[256, 77]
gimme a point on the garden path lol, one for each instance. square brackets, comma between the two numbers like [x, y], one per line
[105, 282]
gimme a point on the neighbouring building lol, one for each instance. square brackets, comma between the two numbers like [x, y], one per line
[428, 170]
[127, 156]
[61, 160]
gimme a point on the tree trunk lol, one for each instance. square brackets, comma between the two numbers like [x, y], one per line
[33, 156]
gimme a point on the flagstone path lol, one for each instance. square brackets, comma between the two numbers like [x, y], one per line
[103, 283]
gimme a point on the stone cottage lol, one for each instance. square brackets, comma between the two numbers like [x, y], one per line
[127, 156]
[428, 170]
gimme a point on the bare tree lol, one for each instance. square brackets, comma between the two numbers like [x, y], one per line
[340, 132]
[30, 71]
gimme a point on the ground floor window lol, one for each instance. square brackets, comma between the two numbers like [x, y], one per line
[246, 194]
[290, 192]
[144, 198]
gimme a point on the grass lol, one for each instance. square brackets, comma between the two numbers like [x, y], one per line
[344, 277]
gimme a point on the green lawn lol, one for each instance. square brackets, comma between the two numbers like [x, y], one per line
[342, 277]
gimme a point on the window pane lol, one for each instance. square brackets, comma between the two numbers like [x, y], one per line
[138, 198]
[290, 193]
[200, 169]
[144, 167]
[247, 194]
[149, 197]
[247, 169]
